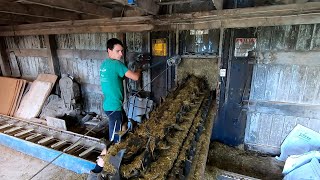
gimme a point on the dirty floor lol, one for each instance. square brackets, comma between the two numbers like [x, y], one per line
[235, 160]
[16, 165]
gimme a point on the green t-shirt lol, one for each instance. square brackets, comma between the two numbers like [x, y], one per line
[111, 76]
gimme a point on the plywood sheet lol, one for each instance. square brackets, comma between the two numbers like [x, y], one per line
[16, 96]
[32, 102]
[19, 95]
[7, 94]
[47, 78]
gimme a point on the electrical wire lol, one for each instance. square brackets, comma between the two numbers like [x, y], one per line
[97, 125]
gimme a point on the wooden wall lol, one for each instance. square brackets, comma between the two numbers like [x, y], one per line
[285, 87]
[80, 55]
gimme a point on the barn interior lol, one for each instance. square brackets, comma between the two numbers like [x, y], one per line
[223, 83]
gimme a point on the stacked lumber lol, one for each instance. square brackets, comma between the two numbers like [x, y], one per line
[11, 91]
[32, 102]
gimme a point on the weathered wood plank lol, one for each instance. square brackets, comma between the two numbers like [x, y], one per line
[38, 11]
[53, 60]
[309, 58]
[297, 83]
[265, 128]
[4, 59]
[291, 37]
[316, 38]
[312, 85]
[284, 83]
[289, 123]
[314, 124]
[264, 38]
[252, 128]
[304, 37]
[82, 29]
[23, 19]
[276, 127]
[277, 41]
[258, 82]
[306, 13]
[74, 6]
[147, 6]
[285, 109]
[303, 121]
[272, 82]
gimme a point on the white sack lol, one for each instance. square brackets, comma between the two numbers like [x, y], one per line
[300, 140]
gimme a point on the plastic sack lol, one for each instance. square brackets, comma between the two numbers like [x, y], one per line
[300, 140]
[310, 171]
[295, 161]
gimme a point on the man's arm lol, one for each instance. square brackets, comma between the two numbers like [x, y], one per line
[133, 75]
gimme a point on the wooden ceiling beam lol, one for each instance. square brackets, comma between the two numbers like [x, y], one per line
[39, 11]
[148, 6]
[307, 13]
[74, 6]
[172, 2]
[80, 29]
[23, 19]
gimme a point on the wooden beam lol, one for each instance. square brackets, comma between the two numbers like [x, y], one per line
[79, 23]
[148, 6]
[61, 53]
[39, 11]
[24, 19]
[4, 59]
[53, 60]
[218, 4]
[7, 22]
[307, 13]
[74, 6]
[171, 2]
[81, 29]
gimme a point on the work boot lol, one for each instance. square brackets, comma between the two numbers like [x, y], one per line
[94, 176]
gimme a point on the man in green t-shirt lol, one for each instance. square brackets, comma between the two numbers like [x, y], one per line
[112, 72]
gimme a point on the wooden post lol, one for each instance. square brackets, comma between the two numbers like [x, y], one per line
[53, 60]
[4, 59]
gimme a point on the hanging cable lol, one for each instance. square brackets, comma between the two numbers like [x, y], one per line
[98, 124]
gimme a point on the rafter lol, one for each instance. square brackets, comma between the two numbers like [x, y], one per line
[74, 6]
[171, 2]
[39, 11]
[307, 13]
[148, 6]
[23, 19]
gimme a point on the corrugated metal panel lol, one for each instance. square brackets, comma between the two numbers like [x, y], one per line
[283, 92]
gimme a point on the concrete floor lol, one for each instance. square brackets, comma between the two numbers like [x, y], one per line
[16, 165]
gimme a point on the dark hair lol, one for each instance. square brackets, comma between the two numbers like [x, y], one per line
[113, 41]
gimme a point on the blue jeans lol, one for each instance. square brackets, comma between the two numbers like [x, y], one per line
[115, 123]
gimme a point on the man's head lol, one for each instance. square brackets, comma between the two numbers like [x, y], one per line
[115, 48]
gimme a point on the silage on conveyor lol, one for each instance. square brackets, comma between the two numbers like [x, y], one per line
[162, 147]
